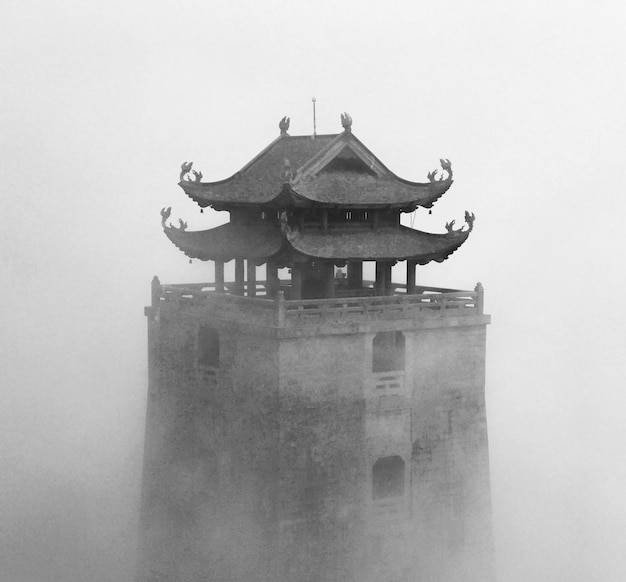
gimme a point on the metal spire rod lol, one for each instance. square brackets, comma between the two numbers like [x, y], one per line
[314, 121]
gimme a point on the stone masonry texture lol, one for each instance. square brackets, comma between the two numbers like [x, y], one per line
[261, 468]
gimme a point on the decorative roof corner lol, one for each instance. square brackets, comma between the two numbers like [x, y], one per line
[446, 165]
[469, 221]
[186, 170]
[165, 214]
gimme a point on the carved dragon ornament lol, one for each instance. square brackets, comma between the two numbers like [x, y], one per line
[186, 169]
[165, 214]
[446, 165]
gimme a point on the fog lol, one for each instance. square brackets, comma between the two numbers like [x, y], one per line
[102, 102]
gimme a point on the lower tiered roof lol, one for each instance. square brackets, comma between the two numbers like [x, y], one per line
[261, 243]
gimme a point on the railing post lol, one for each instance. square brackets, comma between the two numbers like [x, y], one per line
[480, 297]
[156, 291]
[280, 308]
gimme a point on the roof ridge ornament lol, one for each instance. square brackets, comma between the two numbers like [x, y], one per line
[283, 125]
[186, 169]
[346, 121]
[469, 220]
[446, 165]
[165, 214]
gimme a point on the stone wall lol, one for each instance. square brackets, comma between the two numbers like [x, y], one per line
[261, 468]
[210, 469]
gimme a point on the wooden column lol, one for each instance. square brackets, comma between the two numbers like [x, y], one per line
[379, 283]
[329, 280]
[324, 219]
[271, 276]
[239, 272]
[355, 275]
[296, 281]
[387, 277]
[251, 277]
[410, 277]
[219, 276]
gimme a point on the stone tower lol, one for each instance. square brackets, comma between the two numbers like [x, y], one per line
[306, 424]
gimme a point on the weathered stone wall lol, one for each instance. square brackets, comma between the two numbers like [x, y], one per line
[262, 468]
[450, 469]
[211, 455]
[323, 473]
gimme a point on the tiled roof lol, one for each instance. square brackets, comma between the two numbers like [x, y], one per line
[260, 243]
[389, 243]
[228, 242]
[369, 191]
[262, 179]
[328, 170]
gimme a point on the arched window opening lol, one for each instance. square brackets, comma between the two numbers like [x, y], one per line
[388, 352]
[208, 347]
[388, 477]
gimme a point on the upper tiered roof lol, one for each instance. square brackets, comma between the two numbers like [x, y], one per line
[316, 171]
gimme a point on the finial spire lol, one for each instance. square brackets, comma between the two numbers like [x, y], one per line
[346, 121]
[314, 100]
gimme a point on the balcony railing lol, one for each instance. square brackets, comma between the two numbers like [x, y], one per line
[281, 312]
[388, 382]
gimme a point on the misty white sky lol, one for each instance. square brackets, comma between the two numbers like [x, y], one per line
[102, 101]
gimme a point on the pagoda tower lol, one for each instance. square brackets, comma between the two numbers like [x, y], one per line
[304, 423]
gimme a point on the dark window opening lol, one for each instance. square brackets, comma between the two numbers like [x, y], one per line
[388, 477]
[388, 352]
[208, 347]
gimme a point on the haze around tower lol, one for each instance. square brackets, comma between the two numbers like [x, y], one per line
[102, 102]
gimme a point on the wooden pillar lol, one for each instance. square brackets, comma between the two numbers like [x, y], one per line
[329, 280]
[272, 283]
[296, 281]
[410, 277]
[239, 271]
[388, 290]
[379, 283]
[251, 277]
[219, 276]
[355, 275]
[324, 219]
